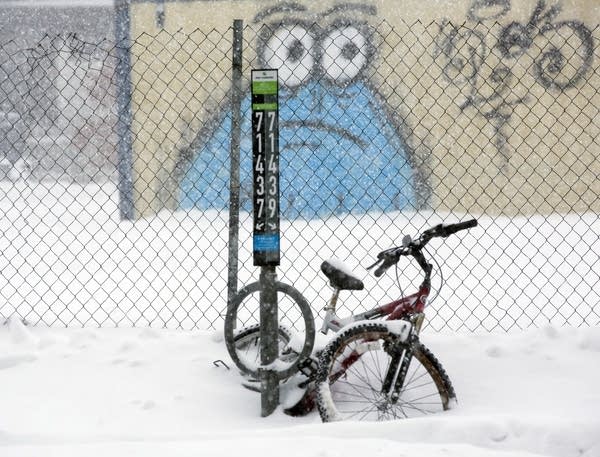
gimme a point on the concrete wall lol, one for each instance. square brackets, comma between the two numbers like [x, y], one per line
[493, 103]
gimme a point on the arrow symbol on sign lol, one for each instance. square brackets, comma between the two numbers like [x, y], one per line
[272, 226]
[259, 226]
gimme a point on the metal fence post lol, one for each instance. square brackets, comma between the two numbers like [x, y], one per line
[234, 184]
[123, 76]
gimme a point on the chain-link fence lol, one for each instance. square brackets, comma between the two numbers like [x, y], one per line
[384, 130]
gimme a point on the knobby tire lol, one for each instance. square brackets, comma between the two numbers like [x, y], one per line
[349, 387]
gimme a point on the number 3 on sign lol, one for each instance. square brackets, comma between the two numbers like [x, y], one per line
[260, 185]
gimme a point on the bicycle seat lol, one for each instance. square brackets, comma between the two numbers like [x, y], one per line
[339, 278]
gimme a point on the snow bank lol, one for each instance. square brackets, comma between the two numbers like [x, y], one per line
[148, 392]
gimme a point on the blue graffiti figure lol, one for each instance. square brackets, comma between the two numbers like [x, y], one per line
[339, 152]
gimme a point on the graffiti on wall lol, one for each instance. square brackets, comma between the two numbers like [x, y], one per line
[341, 151]
[562, 52]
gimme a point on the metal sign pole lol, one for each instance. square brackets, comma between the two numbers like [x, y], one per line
[234, 185]
[266, 238]
[268, 341]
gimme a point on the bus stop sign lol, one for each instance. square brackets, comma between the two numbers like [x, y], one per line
[265, 166]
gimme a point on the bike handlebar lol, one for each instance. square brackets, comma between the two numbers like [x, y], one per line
[445, 230]
[390, 257]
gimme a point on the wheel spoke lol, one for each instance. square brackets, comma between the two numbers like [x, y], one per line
[433, 393]
[413, 379]
[408, 389]
[421, 410]
[354, 370]
[356, 388]
[365, 411]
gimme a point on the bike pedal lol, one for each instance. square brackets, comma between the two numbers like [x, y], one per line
[308, 367]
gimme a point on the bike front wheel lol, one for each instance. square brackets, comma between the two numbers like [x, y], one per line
[352, 370]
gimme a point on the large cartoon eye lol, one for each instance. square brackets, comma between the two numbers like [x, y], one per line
[345, 53]
[290, 50]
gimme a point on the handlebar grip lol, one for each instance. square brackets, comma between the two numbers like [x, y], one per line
[453, 228]
[387, 262]
[380, 270]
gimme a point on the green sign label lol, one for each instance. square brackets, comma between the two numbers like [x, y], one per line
[264, 106]
[264, 87]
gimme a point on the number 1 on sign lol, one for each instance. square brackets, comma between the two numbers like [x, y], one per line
[272, 138]
[259, 142]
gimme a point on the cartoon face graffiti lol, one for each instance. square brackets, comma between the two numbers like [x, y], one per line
[340, 150]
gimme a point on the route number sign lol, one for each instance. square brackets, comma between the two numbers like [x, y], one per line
[265, 166]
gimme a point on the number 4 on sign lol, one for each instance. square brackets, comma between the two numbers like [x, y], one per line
[259, 164]
[272, 165]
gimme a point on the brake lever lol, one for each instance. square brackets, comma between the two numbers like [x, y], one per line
[377, 262]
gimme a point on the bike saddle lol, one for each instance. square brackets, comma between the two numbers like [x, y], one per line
[339, 278]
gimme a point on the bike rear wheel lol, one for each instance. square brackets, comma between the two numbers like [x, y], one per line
[351, 375]
[247, 344]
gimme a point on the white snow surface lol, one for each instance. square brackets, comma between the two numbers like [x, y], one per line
[149, 392]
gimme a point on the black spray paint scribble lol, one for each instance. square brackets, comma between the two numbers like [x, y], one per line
[562, 53]
[482, 10]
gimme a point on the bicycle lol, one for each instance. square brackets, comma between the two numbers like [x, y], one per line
[373, 369]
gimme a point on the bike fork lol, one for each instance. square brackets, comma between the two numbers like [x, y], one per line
[401, 357]
[396, 373]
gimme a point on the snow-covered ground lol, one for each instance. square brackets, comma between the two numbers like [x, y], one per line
[147, 392]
